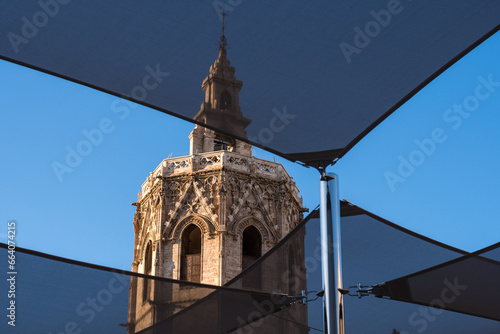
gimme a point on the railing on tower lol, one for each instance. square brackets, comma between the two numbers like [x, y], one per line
[216, 160]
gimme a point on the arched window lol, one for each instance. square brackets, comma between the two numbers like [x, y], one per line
[148, 264]
[225, 100]
[252, 246]
[191, 254]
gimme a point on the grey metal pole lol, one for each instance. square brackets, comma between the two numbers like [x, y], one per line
[331, 257]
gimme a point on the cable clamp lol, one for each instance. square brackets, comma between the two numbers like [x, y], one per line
[363, 290]
[303, 298]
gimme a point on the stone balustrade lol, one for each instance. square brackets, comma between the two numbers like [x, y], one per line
[215, 161]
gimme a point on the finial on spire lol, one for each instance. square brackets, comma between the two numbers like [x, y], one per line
[223, 40]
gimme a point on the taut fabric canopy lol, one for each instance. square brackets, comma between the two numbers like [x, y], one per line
[467, 285]
[316, 76]
[55, 293]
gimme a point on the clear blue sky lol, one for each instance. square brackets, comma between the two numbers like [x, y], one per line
[447, 186]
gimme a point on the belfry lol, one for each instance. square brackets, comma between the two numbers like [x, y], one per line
[208, 216]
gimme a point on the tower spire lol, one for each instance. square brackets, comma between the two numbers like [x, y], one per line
[221, 109]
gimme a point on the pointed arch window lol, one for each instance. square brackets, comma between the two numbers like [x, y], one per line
[251, 246]
[191, 254]
[148, 265]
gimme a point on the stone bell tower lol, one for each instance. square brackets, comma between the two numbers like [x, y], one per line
[207, 216]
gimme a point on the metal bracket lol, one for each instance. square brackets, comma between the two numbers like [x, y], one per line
[303, 297]
[363, 290]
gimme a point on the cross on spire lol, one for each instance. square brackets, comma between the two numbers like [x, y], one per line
[223, 40]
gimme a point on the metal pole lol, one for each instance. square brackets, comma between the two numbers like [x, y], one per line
[331, 257]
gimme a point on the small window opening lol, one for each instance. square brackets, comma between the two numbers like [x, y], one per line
[252, 246]
[191, 254]
[225, 100]
[223, 143]
[148, 264]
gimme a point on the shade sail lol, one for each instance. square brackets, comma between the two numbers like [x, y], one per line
[467, 285]
[316, 77]
[373, 250]
[52, 292]
[54, 295]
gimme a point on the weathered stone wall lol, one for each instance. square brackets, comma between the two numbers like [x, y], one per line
[210, 260]
[231, 258]
[222, 193]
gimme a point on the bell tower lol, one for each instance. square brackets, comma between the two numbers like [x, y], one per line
[221, 110]
[208, 216]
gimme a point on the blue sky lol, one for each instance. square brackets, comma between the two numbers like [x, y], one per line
[430, 167]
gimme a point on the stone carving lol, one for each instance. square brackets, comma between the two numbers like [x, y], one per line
[204, 224]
